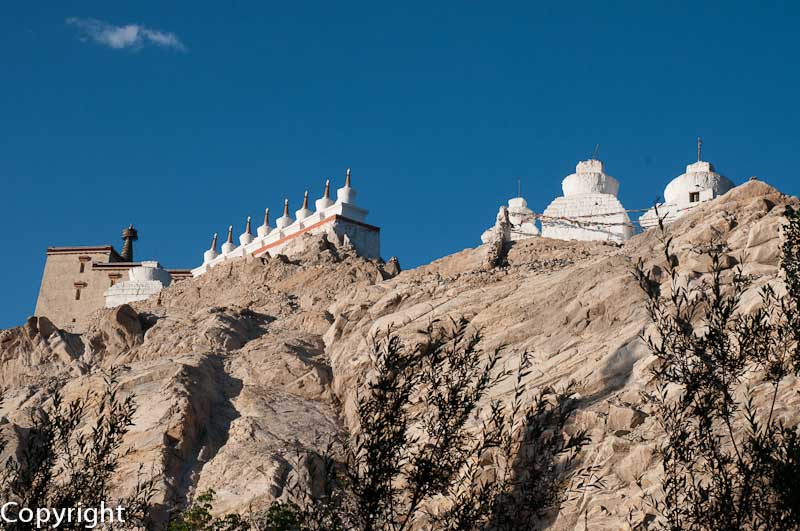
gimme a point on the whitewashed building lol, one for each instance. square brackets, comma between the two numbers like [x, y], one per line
[589, 208]
[342, 220]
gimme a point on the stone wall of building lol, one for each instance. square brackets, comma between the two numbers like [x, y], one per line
[71, 288]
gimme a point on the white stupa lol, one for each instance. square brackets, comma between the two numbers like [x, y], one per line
[304, 211]
[522, 219]
[285, 220]
[325, 201]
[212, 252]
[264, 229]
[247, 236]
[144, 280]
[228, 247]
[699, 184]
[589, 208]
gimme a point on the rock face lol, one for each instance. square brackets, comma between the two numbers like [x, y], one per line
[240, 372]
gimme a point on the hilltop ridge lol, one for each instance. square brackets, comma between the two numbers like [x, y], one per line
[242, 372]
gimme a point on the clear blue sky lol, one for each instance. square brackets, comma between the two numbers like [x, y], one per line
[206, 112]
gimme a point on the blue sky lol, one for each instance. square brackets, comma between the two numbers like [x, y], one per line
[184, 117]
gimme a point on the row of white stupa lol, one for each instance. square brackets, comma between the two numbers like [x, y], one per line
[274, 238]
[590, 209]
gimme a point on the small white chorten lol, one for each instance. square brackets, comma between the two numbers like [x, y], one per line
[699, 184]
[589, 208]
[264, 229]
[346, 194]
[304, 212]
[521, 218]
[228, 247]
[247, 236]
[325, 201]
[212, 253]
[285, 220]
[143, 281]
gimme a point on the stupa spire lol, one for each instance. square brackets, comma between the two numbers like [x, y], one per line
[228, 246]
[346, 194]
[247, 236]
[129, 236]
[325, 201]
[211, 253]
[264, 229]
[304, 212]
[285, 220]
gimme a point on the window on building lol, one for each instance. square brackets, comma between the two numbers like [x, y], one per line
[113, 278]
[84, 260]
[78, 287]
[694, 197]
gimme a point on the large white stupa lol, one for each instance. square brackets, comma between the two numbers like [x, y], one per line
[699, 184]
[589, 208]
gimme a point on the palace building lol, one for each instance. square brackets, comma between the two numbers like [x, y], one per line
[76, 279]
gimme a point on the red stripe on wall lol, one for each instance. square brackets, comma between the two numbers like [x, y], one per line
[302, 231]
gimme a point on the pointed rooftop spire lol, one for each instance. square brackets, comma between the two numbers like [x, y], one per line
[230, 234]
[129, 236]
[211, 253]
[285, 220]
[325, 201]
[247, 236]
[304, 212]
[346, 194]
[264, 229]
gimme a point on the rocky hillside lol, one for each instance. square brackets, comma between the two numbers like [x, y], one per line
[241, 372]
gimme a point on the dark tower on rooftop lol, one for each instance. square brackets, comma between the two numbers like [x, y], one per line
[129, 235]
